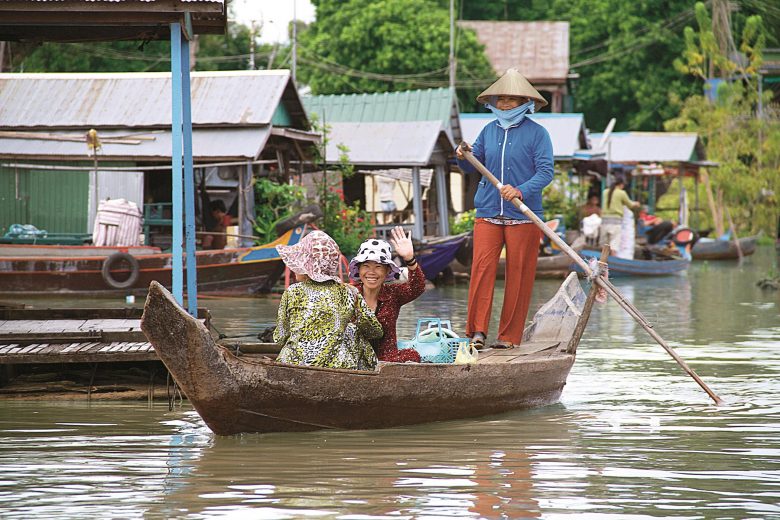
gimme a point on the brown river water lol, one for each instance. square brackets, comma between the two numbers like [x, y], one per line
[633, 436]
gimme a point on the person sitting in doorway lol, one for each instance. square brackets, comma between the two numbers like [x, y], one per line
[216, 238]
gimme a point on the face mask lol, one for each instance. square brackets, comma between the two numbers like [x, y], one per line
[515, 116]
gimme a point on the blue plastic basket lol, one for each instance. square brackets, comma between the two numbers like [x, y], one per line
[434, 341]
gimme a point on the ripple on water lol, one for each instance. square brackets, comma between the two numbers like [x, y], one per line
[633, 438]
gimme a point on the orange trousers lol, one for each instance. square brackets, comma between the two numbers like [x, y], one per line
[522, 250]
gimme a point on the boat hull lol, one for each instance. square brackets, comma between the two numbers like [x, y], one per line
[435, 257]
[235, 395]
[723, 249]
[619, 267]
[229, 271]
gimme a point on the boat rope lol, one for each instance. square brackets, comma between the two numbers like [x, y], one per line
[172, 392]
[285, 419]
[598, 269]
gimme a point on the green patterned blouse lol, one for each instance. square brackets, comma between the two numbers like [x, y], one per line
[317, 324]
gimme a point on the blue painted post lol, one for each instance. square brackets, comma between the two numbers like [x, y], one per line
[189, 182]
[176, 173]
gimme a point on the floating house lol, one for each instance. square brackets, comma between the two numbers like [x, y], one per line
[652, 159]
[244, 123]
[405, 136]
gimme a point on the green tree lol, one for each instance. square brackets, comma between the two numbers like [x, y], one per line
[367, 46]
[745, 143]
[623, 51]
[214, 52]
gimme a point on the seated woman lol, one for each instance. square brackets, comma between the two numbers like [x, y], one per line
[322, 321]
[370, 269]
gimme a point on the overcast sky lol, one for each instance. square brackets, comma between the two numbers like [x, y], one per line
[275, 15]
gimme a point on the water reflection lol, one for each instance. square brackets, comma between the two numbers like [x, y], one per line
[443, 470]
[633, 437]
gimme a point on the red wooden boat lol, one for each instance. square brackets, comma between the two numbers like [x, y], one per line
[47, 269]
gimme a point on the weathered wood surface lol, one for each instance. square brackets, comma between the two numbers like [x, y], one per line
[78, 352]
[40, 336]
[239, 394]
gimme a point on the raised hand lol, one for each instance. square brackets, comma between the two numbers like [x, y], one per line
[402, 243]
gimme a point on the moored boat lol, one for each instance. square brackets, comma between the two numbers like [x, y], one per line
[437, 254]
[636, 267]
[718, 249]
[235, 394]
[34, 269]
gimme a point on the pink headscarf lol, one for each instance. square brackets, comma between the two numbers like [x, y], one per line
[316, 255]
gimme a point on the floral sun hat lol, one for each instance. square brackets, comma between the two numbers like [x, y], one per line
[374, 250]
[317, 255]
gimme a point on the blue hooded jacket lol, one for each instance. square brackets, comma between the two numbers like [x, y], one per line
[521, 156]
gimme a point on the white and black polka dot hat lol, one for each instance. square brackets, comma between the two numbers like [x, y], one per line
[374, 250]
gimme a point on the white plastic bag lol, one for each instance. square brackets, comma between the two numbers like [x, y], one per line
[467, 354]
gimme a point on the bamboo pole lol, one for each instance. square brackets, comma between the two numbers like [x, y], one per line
[607, 285]
[716, 216]
[736, 238]
[579, 329]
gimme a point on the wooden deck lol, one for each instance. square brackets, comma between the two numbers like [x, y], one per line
[41, 336]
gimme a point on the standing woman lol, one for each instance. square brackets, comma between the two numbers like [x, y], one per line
[371, 268]
[614, 200]
[519, 152]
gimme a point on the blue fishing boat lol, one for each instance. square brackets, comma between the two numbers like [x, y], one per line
[619, 267]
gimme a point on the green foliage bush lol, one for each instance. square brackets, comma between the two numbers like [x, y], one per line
[463, 222]
[274, 202]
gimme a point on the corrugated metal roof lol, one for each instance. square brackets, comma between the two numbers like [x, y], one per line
[386, 144]
[539, 50]
[567, 131]
[116, 100]
[631, 147]
[436, 104]
[207, 144]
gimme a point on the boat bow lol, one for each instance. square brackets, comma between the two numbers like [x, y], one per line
[187, 349]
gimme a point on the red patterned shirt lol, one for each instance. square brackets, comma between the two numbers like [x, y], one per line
[389, 301]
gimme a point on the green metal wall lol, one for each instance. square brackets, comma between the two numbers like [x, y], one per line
[52, 200]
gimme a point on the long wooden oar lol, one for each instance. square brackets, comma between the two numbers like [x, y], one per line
[606, 284]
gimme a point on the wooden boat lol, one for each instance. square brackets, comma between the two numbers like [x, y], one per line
[47, 269]
[717, 249]
[547, 266]
[236, 394]
[624, 267]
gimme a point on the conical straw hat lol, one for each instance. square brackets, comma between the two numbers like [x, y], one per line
[512, 84]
